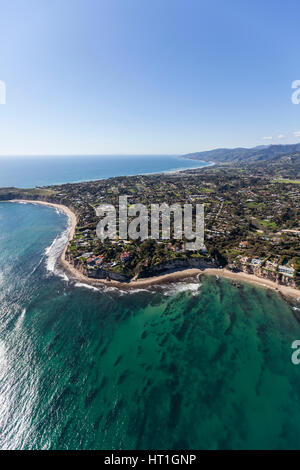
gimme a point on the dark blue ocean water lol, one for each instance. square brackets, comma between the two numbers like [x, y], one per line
[26, 172]
[190, 365]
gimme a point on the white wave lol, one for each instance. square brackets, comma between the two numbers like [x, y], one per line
[20, 319]
[37, 266]
[62, 274]
[168, 289]
[114, 290]
[135, 291]
[177, 288]
[87, 286]
[54, 251]
[111, 289]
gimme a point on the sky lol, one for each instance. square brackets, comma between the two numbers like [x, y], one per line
[147, 76]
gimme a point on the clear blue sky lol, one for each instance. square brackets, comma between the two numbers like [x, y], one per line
[147, 76]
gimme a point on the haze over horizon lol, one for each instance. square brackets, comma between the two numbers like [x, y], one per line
[129, 77]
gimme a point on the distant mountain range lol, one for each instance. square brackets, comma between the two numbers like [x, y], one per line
[270, 153]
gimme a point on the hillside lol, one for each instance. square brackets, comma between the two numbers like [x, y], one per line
[270, 153]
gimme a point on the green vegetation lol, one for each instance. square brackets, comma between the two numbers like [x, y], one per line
[33, 193]
[252, 214]
[286, 181]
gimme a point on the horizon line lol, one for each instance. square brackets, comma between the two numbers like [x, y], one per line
[89, 154]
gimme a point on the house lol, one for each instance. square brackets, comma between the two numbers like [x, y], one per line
[99, 260]
[271, 265]
[124, 256]
[256, 262]
[286, 271]
[244, 244]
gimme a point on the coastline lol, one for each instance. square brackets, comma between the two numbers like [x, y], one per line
[285, 291]
[201, 164]
[71, 216]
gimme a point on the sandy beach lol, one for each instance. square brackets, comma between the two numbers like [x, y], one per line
[286, 291]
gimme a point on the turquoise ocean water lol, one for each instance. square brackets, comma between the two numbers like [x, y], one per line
[181, 367]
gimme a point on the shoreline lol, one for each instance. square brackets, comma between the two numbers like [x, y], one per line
[154, 173]
[285, 291]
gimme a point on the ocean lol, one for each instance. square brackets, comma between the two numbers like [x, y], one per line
[28, 172]
[192, 365]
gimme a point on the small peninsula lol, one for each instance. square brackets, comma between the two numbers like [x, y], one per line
[252, 229]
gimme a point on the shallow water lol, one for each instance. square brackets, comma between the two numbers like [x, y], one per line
[186, 366]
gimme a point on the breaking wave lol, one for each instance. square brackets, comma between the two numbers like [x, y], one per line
[20, 319]
[54, 251]
[183, 286]
[86, 286]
